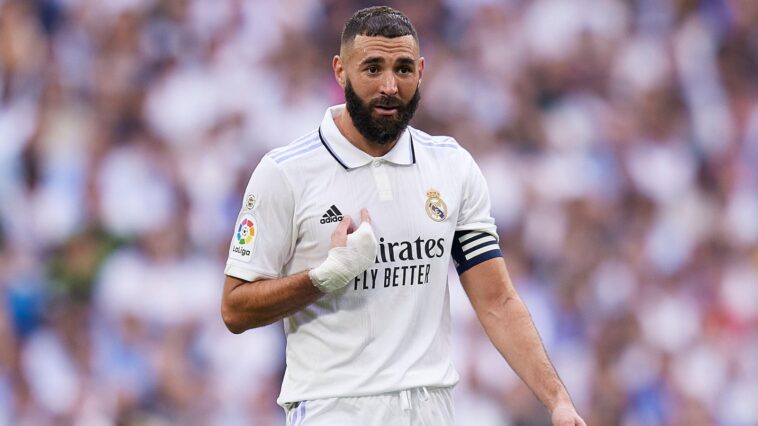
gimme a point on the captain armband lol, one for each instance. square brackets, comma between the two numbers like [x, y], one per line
[471, 248]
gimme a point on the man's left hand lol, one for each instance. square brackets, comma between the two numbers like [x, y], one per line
[566, 415]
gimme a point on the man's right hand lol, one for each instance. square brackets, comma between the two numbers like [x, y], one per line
[351, 253]
[346, 228]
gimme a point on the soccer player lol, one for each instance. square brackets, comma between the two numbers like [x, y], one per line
[365, 305]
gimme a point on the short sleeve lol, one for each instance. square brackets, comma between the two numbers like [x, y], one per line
[262, 236]
[475, 237]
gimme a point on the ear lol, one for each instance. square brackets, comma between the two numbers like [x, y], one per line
[339, 70]
[420, 69]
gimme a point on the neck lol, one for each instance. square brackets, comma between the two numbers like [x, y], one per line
[345, 125]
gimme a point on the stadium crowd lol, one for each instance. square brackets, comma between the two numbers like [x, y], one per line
[619, 139]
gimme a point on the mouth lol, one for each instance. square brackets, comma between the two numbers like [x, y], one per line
[385, 110]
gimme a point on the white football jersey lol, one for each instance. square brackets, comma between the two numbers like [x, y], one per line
[388, 329]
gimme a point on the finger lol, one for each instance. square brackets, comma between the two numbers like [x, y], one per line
[339, 236]
[365, 217]
[345, 225]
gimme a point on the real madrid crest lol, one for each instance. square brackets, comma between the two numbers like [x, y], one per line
[435, 207]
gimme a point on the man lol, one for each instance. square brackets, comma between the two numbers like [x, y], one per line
[366, 310]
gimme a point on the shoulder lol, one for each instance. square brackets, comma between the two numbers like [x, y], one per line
[295, 163]
[438, 146]
[425, 140]
[300, 148]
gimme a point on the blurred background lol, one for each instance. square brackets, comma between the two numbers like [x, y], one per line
[619, 140]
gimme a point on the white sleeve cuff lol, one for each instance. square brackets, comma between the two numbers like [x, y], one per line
[246, 274]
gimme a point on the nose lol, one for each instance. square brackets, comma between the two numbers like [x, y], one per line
[389, 85]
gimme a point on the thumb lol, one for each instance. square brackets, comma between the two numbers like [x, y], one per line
[339, 236]
[365, 217]
[364, 235]
[344, 225]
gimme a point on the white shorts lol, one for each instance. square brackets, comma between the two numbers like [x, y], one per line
[414, 407]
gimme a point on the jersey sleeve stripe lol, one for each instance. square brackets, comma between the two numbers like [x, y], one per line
[430, 141]
[438, 145]
[467, 236]
[302, 414]
[479, 239]
[484, 248]
[297, 143]
[296, 153]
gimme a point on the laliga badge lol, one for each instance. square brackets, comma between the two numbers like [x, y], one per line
[250, 202]
[244, 239]
[435, 207]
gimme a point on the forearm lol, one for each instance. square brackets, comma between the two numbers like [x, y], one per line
[510, 328]
[247, 305]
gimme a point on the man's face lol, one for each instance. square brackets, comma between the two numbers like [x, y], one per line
[381, 77]
[380, 120]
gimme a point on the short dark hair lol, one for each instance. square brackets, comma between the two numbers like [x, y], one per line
[377, 21]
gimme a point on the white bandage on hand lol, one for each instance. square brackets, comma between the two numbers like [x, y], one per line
[345, 263]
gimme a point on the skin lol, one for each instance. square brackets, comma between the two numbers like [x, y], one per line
[379, 67]
[246, 305]
[376, 67]
[509, 326]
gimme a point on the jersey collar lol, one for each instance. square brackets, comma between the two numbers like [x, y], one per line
[349, 156]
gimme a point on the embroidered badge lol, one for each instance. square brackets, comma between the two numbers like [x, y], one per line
[435, 207]
[244, 239]
[250, 202]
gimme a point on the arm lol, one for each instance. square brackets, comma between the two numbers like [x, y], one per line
[246, 305]
[509, 326]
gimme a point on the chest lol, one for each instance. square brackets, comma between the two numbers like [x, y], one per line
[411, 207]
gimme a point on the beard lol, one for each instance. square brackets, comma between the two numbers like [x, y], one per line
[384, 129]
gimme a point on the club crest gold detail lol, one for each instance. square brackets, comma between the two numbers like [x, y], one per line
[435, 207]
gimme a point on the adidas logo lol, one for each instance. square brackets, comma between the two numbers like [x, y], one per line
[332, 215]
